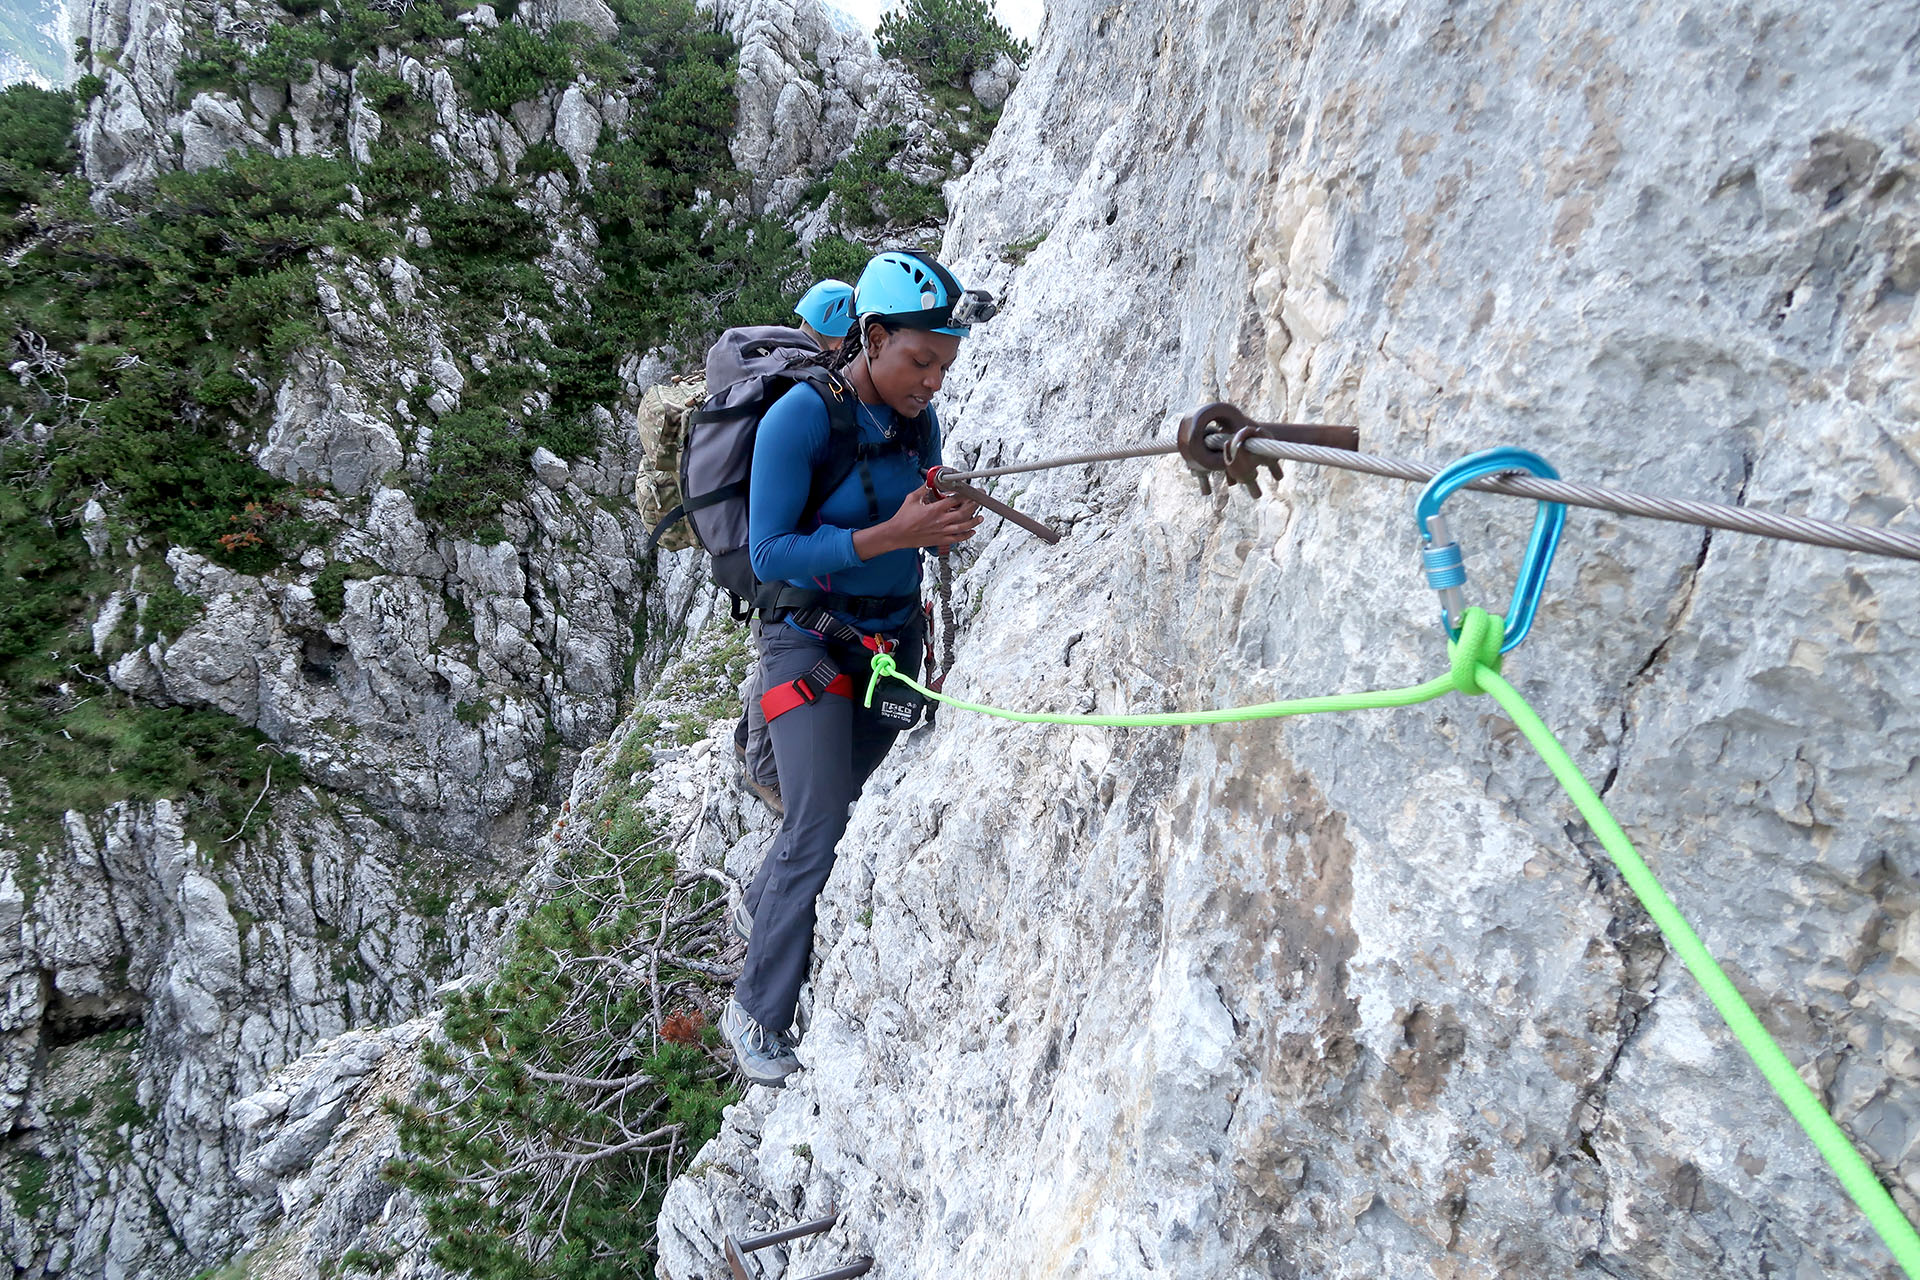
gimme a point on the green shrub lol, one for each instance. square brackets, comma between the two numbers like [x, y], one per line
[873, 195]
[88, 87]
[582, 371]
[36, 140]
[42, 569]
[484, 248]
[476, 463]
[91, 752]
[488, 225]
[131, 303]
[289, 54]
[514, 1144]
[36, 129]
[223, 389]
[359, 28]
[210, 64]
[330, 585]
[766, 272]
[545, 157]
[368, 238]
[428, 20]
[169, 611]
[946, 41]
[570, 435]
[836, 258]
[667, 270]
[27, 1185]
[510, 64]
[383, 92]
[276, 310]
[401, 174]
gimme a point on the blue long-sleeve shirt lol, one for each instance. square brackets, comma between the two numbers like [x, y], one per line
[790, 445]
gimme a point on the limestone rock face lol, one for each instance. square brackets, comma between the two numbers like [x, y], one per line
[435, 690]
[154, 974]
[314, 1135]
[123, 140]
[808, 85]
[214, 125]
[197, 1022]
[592, 14]
[1358, 995]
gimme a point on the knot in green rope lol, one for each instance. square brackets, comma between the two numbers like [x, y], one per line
[1477, 647]
[882, 665]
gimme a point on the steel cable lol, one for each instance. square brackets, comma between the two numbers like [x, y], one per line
[1712, 515]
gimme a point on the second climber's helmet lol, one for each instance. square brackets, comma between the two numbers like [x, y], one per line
[828, 307]
[913, 290]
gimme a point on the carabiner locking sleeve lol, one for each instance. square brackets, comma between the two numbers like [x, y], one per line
[1446, 566]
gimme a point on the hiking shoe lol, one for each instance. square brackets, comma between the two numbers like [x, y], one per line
[742, 921]
[762, 1056]
[769, 795]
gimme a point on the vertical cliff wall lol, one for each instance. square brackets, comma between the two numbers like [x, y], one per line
[1359, 995]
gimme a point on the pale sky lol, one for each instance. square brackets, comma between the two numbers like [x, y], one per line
[1021, 16]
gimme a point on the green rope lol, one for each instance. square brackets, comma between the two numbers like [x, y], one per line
[883, 666]
[1474, 667]
[1855, 1175]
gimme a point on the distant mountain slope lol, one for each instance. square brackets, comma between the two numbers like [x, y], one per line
[33, 42]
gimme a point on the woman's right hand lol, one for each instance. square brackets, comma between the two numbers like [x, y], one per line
[919, 523]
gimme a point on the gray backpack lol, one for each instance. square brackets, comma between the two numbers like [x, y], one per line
[747, 370]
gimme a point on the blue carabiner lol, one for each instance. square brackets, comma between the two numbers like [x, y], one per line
[1447, 567]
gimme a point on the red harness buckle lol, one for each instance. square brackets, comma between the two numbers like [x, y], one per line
[783, 698]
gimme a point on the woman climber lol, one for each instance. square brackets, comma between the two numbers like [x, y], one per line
[850, 587]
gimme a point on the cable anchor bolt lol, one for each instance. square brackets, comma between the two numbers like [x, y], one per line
[1446, 564]
[940, 484]
[1232, 430]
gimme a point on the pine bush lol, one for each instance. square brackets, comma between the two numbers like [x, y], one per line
[554, 1111]
[946, 41]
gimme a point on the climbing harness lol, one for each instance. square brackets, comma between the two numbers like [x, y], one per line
[1445, 563]
[1476, 644]
[825, 678]
[897, 708]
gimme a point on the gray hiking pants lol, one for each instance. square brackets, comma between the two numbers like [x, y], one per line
[751, 733]
[825, 751]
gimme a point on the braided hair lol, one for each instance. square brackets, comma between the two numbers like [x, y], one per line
[840, 360]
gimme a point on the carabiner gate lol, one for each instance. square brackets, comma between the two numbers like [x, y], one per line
[1446, 566]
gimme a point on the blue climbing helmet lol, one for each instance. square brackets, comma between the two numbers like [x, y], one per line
[828, 307]
[911, 289]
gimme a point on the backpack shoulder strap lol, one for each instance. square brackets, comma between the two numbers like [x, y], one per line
[843, 435]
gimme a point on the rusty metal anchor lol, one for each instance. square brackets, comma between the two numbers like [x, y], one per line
[737, 1250]
[940, 480]
[1233, 459]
